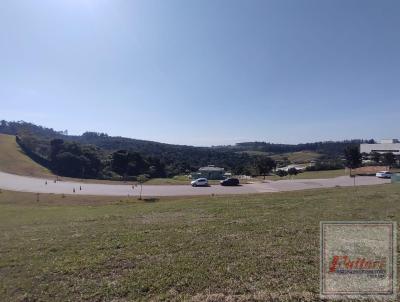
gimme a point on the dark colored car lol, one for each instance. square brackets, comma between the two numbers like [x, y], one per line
[230, 182]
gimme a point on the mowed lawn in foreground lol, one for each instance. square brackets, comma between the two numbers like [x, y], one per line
[236, 248]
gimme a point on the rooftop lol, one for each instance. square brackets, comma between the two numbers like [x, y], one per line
[389, 141]
[385, 141]
[211, 168]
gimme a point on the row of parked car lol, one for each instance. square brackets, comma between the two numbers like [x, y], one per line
[384, 174]
[203, 182]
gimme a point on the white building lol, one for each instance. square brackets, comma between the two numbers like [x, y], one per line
[210, 172]
[385, 146]
[297, 167]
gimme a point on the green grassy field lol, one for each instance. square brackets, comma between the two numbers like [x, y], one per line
[256, 153]
[14, 160]
[237, 248]
[298, 157]
[310, 175]
[294, 157]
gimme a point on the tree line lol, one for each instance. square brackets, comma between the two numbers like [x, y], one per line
[86, 161]
[98, 155]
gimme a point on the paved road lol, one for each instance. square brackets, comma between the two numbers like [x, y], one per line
[38, 185]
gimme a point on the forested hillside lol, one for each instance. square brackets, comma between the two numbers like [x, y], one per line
[98, 155]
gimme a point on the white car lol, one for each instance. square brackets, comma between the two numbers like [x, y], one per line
[384, 174]
[199, 182]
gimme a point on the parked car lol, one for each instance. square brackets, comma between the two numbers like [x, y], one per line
[199, 182]
[384, 174]
[230, 182]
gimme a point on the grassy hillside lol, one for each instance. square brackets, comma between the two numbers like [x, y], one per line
[310, 175]
[298, 157]
[174, 159]
[256, 153]
[13, 159]
[294, 157]
[256, 247]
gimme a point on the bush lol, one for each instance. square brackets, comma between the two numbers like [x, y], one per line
[293, 171]
[281, 173]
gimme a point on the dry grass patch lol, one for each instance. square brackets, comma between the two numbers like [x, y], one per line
[14, 160]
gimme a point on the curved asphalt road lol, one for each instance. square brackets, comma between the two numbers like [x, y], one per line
[38, 185]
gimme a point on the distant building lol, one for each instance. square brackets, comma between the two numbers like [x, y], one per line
[297, 167]
[210, 172]
[385, 146]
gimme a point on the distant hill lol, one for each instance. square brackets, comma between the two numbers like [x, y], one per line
[102, 140]
[333, 148]
[177, 159]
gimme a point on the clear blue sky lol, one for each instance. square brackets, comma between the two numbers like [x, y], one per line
[203, 72]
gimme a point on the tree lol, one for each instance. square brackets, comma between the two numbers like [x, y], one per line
[265, 165]
[74, 160]
[68, 164]
[132, 163]
[92, 162]
[353, 157]
[56, 145]
[141, 179]
[156, 168]
[376, 157]
[137, 164]
[119, 162]
[293, 171]
[238, 170]
[389, 159]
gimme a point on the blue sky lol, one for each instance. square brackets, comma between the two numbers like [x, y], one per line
[203, 72]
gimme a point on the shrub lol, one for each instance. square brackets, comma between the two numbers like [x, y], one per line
[281, 173]
[293, 171]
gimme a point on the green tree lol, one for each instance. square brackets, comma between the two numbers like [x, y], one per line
[389, 159]
[69, 164]
[142, 179]
[93, 165]
[156, 167]
[56, 146]
[137, 164]
[376, 157]
[353, 157]
[265, 165]
[293, 171]
[75, 160]
[119, 162]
